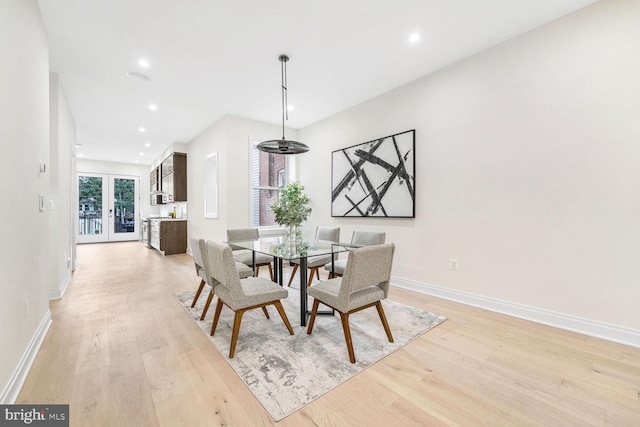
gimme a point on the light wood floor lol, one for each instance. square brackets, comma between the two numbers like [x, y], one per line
[122, 352]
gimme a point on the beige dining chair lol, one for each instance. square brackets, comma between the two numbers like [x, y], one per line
[199, 250]
[245, 256]
[365, 284]
[359, 238]
[240, 295]
[323, 234]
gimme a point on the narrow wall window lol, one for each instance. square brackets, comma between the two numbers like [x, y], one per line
[268, 173]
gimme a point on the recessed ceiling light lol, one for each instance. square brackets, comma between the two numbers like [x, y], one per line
[139, 77]
[413, 38]
[141, 129]
[142, 154]
[153, 107]
[79, 155]
[137, 161]
[290, 107]
[143, 63]
[147, 145]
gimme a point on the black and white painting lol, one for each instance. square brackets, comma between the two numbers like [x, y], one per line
[375, 179]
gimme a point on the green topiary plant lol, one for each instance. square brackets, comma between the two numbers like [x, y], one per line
[293, 207]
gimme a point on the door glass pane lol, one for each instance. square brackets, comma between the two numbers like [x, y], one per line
[90, 205]
[123, 205]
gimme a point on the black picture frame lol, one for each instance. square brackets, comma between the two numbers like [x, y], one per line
[375, 178]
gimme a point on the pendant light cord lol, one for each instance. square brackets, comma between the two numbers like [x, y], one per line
[285, 103]
[283, 146]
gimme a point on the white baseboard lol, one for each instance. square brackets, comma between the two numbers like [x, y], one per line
[11, 391]
[59, 292]
[619, 334]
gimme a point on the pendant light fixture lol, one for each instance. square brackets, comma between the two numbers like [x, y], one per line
[283, 146]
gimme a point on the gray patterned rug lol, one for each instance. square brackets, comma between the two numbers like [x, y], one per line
[286, 372]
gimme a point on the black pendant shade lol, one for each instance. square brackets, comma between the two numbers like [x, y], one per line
[283, 146]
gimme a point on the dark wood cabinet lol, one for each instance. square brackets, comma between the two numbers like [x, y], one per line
[174, 178]
[169, 236]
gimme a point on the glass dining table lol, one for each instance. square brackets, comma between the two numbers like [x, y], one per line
[282, 250]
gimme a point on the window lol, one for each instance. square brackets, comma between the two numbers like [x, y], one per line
[268, 174]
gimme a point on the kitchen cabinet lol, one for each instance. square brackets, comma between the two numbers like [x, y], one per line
[154, 190]
[174, 178]
[154, 180]
[168, 235]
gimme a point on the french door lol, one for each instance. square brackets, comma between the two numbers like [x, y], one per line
[107, 208]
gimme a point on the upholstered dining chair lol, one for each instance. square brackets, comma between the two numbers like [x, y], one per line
[365, 284]
[360, 238]
[240, 295]
[323, 234]
[245, 256]
[199, 250]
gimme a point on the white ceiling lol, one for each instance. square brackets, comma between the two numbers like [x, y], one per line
[214, 57]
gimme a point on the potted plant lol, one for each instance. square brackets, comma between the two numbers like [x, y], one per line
[292, 208]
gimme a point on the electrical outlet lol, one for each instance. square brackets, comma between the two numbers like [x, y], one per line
[453, 264]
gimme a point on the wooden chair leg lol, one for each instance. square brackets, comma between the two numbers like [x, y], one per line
[266, 313]
[270, 271]
[237, 319]
[283, 314]
[293, 273]
[347, 336]
[195, 299]
[216, 317]
[207, 304]
[315, 270]
[312, 318]
[384, 321]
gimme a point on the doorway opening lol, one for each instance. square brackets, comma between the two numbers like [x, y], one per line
[107, 208]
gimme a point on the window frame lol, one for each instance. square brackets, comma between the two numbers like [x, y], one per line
[289, 173]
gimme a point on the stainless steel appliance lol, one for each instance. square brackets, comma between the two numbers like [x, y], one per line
[145, 229]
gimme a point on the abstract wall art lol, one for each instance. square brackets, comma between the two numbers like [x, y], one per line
[375, 178]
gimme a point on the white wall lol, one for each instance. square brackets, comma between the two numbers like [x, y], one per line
[527, 169]
[228, 136]
[62, 181]
[24, 135]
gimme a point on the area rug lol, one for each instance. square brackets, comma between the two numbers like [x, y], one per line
[286, 372]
